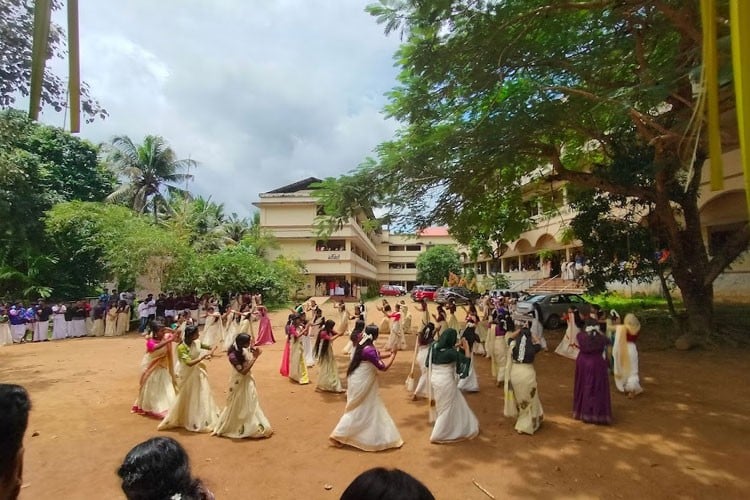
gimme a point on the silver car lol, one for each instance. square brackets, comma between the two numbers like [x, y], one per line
[554, 307]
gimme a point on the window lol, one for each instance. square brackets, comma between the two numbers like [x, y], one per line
[395, 248]
[413, 248]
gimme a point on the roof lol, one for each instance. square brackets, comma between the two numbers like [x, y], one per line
[295, 186]
[434, 231]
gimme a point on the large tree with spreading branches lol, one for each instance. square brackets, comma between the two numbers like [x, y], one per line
[493, 94]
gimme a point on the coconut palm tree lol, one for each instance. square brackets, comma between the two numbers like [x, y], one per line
[235, 228]
[146, 170]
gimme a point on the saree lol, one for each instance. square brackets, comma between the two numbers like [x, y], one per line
[157, 390]
[194, 408]
[328, 376]
[243, 416]
[567, 346]
[366, 423]
[297, 366]
[521, 396]
[455, 420]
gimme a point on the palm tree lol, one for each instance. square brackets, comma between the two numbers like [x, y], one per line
[147, 170]
[235, 228]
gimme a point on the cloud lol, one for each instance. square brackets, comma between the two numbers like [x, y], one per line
[260, 93]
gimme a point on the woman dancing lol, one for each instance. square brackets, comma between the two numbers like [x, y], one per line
[591, 399]
[110, 322]
[328, 377]
[297, 365]
[455, 420]
[157, 386]
[625, 355]
[213, 330]
[521, 394]
[425, 338]
[366, 423]
[265, 331]
[242, 417]
[194, 408]
[567, 346]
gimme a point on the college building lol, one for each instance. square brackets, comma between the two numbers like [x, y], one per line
[354, 257]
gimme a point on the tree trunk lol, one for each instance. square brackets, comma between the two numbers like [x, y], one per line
[699, 302]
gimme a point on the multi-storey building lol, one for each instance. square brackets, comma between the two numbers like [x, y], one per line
[353, 257]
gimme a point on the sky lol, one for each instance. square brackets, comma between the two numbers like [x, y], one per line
[262, 93]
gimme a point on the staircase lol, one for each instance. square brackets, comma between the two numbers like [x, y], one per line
[556, 285]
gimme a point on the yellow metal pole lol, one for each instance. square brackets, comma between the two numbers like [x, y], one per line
[42, 13]
[740, 21]
[74, 68]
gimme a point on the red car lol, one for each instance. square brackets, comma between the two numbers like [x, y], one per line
[390, 290]
[420, 292]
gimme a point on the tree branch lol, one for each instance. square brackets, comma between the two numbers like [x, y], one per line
[681, 20]
[737, 244]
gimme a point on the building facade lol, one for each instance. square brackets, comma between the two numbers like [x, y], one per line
[354, 258]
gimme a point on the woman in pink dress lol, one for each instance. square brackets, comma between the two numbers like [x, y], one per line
[265, 332]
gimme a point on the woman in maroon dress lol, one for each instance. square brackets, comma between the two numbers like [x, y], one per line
[591, 402]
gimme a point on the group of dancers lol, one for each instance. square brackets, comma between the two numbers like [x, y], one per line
[174, 383]
[442, 367]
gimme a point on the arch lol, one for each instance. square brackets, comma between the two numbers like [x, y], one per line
[725, 208]
[523, 246]
[546, 242]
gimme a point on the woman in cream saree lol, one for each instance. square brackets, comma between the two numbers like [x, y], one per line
[157, 383]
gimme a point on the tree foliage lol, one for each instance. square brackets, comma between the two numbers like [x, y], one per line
[39, 166]
[435, 264]
[16, 30]
[495, 95]
[147, 171]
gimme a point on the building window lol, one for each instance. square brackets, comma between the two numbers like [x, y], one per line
[411, 265]
[413, 248]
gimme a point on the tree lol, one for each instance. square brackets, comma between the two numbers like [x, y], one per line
[95, 242]
[147, 171]
[436, 263]
[39, 166]
[16, 26]
[495, 94]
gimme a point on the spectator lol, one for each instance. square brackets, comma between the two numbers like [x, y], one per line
[380, 484]
[14, 417]
[159, 469]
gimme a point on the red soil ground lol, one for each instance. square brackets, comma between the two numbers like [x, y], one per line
[687, 436]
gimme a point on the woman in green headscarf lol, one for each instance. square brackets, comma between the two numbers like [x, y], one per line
[455, 421]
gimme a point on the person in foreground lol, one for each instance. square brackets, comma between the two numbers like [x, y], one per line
[521, 393]
[243, 416]
[159, 469]
[455, 420]
[591, 399]
[380, 484]
[366, 423]
[14, 417]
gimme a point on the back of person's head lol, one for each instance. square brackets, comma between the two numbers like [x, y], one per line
[159, 469]
[384, 484]
[14, 417]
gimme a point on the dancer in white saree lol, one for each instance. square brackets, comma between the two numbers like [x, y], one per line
[194, 408]
[567, 346]
[455, 420]
[425, 338]
[213, 331]
[243, 416]
[366, 423]
[625, 355]
[521, 393]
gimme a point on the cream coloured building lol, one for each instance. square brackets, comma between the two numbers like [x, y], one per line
[353, 258]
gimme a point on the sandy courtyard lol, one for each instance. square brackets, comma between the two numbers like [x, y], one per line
[687, 436]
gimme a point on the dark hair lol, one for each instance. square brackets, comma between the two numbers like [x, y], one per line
[191, 331]
[240, 341]
[321, 344]
[371, 330]
[157, 324]
[427, 334]
[383, 484]
[158, 469]
[14, 417]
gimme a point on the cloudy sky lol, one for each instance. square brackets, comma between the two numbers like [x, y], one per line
[261, 93]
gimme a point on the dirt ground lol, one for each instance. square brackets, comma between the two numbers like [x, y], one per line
[687, 436]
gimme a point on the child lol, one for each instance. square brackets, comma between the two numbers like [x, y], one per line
[157, 390]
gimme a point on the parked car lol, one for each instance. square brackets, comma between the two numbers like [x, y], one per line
[498, 292]
[460, 294]
[420, 292]
[391, 290]
[554, 306]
